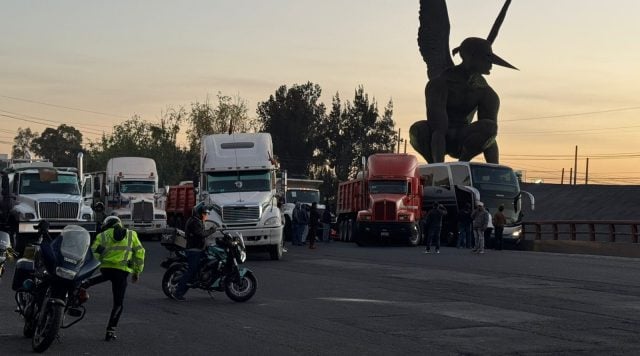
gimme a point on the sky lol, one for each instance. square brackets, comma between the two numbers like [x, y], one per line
[94, 64]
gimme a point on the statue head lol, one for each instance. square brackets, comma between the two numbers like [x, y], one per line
[478, 56]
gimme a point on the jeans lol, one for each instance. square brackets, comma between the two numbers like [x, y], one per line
[296, 239]
[464, 236]
[193, 263]
[479, 237]
[433, 234]
[326, 231]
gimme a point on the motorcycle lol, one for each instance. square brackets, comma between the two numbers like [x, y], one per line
[5, 250]
[48, 286]
[219, 267]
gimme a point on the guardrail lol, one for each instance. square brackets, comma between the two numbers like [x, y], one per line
[582, 230]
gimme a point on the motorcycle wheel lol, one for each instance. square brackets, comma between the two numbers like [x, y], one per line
[242, 290]
[30, 320]
[47, 327]
[171, 278]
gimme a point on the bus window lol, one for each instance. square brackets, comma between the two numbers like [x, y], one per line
[436, 177]
[460, 175]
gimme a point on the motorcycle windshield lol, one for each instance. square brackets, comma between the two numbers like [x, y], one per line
[5, 242]
[75, 242]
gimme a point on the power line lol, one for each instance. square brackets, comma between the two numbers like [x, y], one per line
[62, 106]
[48, 125]
[79, 124]
[631, 108]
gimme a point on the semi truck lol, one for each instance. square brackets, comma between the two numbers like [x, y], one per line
[383, 203]
[179, 202]
[238, 183]
[129, 189]
[35, 190]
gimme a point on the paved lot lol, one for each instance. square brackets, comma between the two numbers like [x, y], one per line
[345, 300]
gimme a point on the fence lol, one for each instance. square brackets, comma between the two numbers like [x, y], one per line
[582, 230]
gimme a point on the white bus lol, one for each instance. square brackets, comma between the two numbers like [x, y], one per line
[455, 184]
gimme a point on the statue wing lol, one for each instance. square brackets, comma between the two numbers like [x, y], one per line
[433, 36]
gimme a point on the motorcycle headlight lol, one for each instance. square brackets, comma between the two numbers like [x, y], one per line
[272, 221]
[65, 273]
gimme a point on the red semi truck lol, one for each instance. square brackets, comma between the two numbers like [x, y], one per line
[384, 203]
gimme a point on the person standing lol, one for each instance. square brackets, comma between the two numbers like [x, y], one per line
[304, 223]
[464, 227]
[195, 235]
[499, 221]
[480, 222]
[326, 223]
[120, 253]
[314, 223]
[296, 236]
[433, 225]
[489, 243]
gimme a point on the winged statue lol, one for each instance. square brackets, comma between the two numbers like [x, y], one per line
[456, 94]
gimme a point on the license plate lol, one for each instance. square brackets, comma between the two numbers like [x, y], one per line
[384, 234]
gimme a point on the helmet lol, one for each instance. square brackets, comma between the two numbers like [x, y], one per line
[200, 209]
[111, 221]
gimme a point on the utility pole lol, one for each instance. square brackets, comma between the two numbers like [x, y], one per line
[586, 173]
[399, 139]
[570, 175]
[575, 166]
[562, 177]
[405, 147]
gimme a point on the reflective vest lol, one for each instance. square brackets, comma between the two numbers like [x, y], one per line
[126, 254]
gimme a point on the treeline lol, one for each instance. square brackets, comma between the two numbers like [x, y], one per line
[308, 138]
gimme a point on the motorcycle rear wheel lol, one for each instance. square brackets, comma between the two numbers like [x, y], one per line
[242, 290]
[47, 329]
[171, 279]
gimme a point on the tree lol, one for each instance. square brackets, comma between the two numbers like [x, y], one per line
[293, 117]
[60, 145]
[22, 143]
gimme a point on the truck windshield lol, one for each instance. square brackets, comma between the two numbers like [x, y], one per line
[495, 179]
[243, 181]
[30, 183]
[303, 196]
[137, 186]
[388, 186]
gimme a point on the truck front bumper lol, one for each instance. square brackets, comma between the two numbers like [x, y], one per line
[259, 236]
[55, 226]
[156, 227]
[386, 231]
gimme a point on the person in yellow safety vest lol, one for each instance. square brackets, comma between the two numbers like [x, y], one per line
[120, 253]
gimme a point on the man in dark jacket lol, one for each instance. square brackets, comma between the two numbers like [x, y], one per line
[195, 235]
[465, 237]
[433, 225]
[314, 222]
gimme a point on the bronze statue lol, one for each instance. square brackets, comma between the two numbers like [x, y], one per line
[455, 93]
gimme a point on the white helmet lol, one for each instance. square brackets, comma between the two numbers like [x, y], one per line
[110, 222]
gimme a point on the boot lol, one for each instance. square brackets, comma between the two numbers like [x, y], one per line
[110, 335]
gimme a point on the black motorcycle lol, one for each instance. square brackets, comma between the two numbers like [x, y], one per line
[48, 292]
[219, 267]
[5, 250]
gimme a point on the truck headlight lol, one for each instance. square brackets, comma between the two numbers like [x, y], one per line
[274, 220]
[365, 217]
[404, 217]
[86, 216]
[159, 217]
[125, 217]
[29, 216]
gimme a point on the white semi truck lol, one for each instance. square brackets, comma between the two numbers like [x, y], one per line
[35, 190]
[238, 183]
[129, 190]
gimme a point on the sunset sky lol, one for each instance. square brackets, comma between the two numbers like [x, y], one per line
[93, 64]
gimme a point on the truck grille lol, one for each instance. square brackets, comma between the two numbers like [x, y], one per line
[142, 211]
[384, 210]
[54, 210]
[240, 213]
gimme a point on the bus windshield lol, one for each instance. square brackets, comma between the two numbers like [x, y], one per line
[495, 179]
[242, 181]
[63, 184]
[137, 186]
[303, 196]
[388, 186]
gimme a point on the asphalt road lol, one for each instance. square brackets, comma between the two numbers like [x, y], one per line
[343, 300]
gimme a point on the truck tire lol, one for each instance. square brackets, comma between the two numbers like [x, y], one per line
[415, 240]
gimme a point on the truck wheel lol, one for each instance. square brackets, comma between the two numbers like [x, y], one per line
[275, 251]
[415, 239]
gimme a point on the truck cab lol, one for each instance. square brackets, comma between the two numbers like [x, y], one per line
[238, 183]
[36, 190]
[297, 190]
